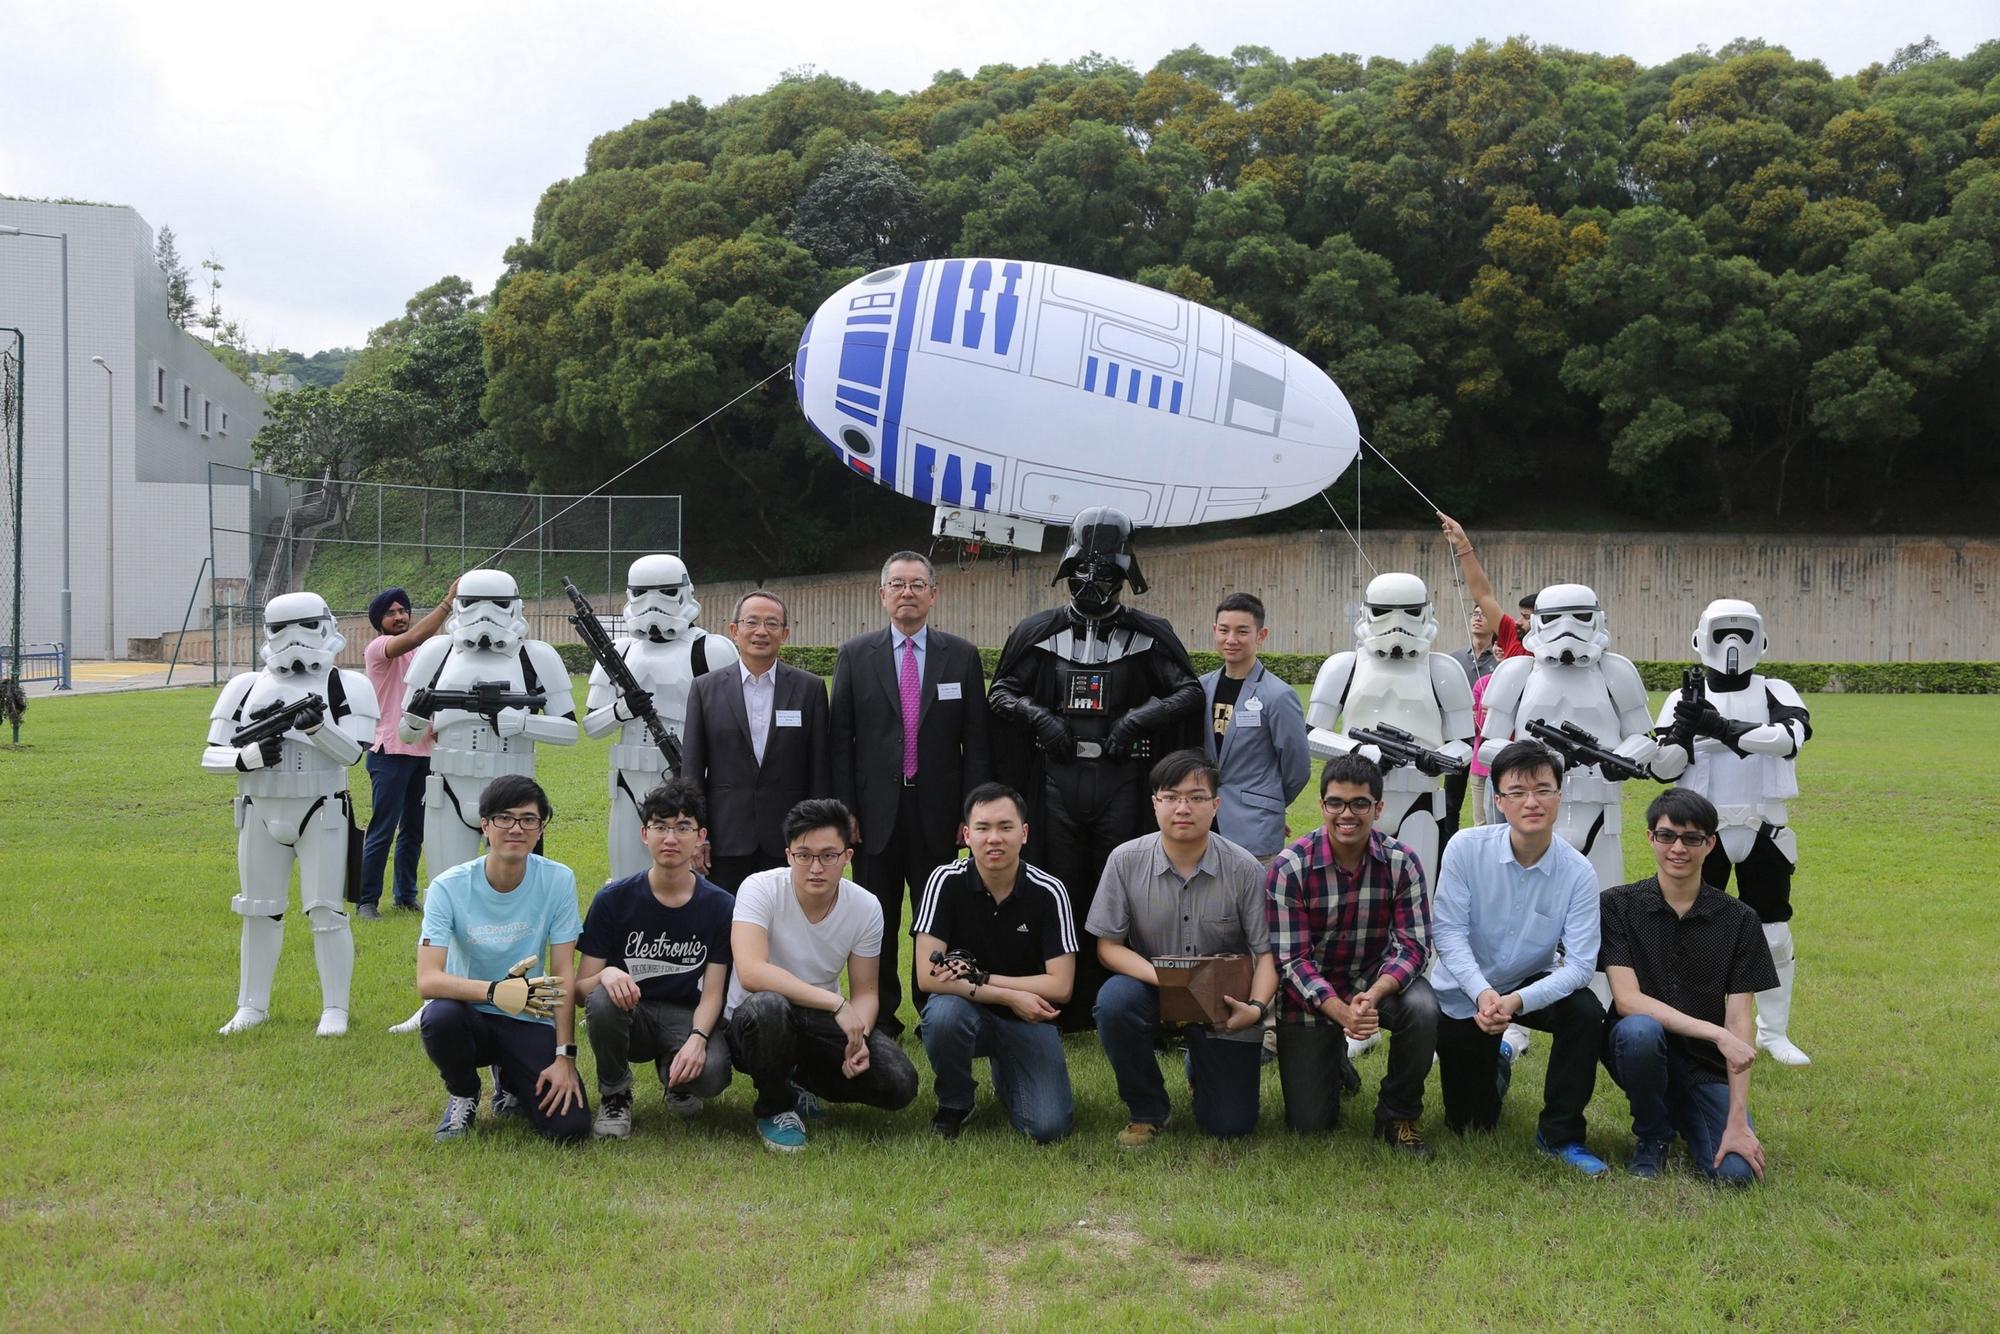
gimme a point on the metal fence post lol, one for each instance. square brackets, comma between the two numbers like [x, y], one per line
[378, 539]
[541, 542]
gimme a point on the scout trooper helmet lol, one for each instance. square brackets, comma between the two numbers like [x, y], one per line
[300, 636]
[1568, 626]
[1729, 637]
[487, 611]
[1397, 618]
[659, 598]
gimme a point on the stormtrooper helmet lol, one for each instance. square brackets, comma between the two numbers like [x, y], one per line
[1397, 618]
[1098, 562]
[487, 611]
[1568, 626]
[659, 598]
[300, 636]
[1729, 638]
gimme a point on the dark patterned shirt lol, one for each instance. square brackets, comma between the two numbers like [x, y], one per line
[1333, 932]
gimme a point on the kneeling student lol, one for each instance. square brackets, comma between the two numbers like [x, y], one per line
[656, 967]
[1183, 890]
[790, 1029]
[1013, 921]
[1515, 924]
[487, 925]
[1685, 1066]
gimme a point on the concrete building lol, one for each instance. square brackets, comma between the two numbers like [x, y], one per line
[139, 504]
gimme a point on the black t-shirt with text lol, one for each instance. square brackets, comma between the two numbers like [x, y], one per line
[665, 950]
[1227, 690]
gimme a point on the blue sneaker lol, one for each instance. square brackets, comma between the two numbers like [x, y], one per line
[1582, 1159]
[783, 1133]
[810, 1105]
[459, 1114]
[1649, 1159]
[1503, 1072]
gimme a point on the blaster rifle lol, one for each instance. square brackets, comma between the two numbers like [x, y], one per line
[486, 699]
[276, 719]
[1577, 746]
[1400, 747]
[619, 674]
[1694, 690]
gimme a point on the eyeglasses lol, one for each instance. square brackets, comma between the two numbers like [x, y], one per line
[526, 823]
[1358, 805]
[761, 623]
[908, 585]
[800, 857]
[682, 828]
[1687, 838]
[1191, 800]
[1538, 793]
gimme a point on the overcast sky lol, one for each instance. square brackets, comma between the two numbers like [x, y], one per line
[338, 158]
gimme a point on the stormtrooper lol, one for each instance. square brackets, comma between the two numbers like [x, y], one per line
[1569, 677]
[665, 653]
[484, 644]
[292, 804]
[1391, 676]
[1089, 696]
[1737, 744]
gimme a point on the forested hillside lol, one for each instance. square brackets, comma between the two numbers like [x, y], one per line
[1732, 289]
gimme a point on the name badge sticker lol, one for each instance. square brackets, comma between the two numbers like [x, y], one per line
[951, 690]
[788, 718]
[1247, 717]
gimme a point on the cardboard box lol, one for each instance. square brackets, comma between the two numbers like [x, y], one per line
[1192, 986]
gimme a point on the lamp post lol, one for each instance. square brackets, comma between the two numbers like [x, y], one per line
[67, 642]
[110, 513]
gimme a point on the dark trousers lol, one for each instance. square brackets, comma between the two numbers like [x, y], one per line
[460, 1038]
[1089, 808]
[907, 859]
[778, 1044]
[652, 1030]
[1473, 1083]
[397, 812]
[1454, 806]
[730, 872]
[1763, 879]
[1313, 1057]
[1222, 1072]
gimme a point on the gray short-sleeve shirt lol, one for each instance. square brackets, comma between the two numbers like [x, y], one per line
[1143, 901]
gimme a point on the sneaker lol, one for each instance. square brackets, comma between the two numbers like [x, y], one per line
[683, 1105]
[1582, 1159]
[614, 1117]
[949, 1121]
[459, 1114]
[505, 1104]
[1270, 1047]
[1649, 1159]
[1503, 1071]
[368, 912]
[1140, 1135]
[783, 1133]
[1402, 1136]
[810, 1105]
[1516, 1040]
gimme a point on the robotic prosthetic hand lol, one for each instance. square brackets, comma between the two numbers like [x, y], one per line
[517, 993]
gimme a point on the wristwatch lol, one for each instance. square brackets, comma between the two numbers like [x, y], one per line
[566, 1049]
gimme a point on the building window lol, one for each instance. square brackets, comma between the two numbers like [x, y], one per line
[159, 386]
[187, 402]
[225, 421]
[207, 417]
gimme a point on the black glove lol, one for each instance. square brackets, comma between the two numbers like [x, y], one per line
[1700, 718]
[310, 719]
[1124, 733]
[271, 749]
[637, 702]
[1429, 764]
[1052, 734]
[420, 704]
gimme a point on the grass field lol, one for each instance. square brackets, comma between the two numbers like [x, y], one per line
[154, 1174]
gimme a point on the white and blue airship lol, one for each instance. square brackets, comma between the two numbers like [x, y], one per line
[993, 387]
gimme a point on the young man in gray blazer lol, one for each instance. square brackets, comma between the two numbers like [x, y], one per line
[756, 741]
[1256, 733]
[908, 742]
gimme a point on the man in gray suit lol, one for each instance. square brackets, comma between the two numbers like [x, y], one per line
[1256, 733]
[756, 741]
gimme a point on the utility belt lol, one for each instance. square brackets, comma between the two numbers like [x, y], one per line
[638, 758]
[1585, 783]
[482, 763]
[281, 784]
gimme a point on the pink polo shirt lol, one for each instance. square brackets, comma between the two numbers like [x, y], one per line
[387, 674]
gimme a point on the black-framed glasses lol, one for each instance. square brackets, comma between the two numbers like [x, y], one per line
[1687, 838]
[1538, 793]
[804, 857]
[1191, 800]
[1355, 805]
[526, 823]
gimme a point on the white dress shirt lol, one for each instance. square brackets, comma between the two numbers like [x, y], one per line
[760, 694]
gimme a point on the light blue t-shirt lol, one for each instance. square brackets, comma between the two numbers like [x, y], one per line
[485, 932]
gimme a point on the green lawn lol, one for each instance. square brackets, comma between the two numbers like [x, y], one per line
[156, 1174]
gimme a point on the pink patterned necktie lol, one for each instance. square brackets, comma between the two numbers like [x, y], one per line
[912, 690]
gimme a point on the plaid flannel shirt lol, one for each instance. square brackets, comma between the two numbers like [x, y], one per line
[1334, 934]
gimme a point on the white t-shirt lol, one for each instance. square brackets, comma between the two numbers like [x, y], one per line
[813, 952]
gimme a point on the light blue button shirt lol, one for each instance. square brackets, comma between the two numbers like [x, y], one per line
[922, 639]
[1496, 923]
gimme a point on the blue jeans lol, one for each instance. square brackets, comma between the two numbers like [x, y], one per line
[1029, 1071]
[1223, 1073]
[397, 811]
[1665, 1099]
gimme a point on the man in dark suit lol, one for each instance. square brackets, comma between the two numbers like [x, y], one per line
[909, 741]
[756, 741]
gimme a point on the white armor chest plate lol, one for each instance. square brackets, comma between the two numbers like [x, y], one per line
[1555, 694]
[458, 730]
[667, 671]
[1396, 691]
[298, 757]
[1735, 782]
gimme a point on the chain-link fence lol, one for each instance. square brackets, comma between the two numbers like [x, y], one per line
[347, 541]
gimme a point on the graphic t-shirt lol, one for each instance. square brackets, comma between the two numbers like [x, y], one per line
[813, 952]
[665, 950]
[1227, 691]
[486, 932]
